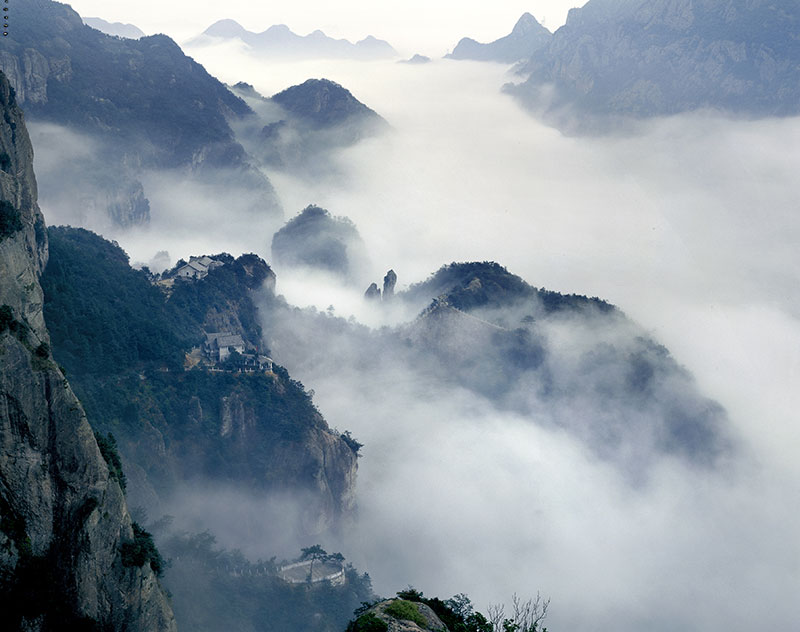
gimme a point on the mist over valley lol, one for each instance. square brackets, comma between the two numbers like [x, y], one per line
[573, 373]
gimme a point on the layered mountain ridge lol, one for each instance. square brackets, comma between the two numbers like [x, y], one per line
[142, 103]
[279, 42]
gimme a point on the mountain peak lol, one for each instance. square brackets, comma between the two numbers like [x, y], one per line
[225, 28]
[527, 24]
[317, 239]
[322, 102]
[116, 28]
[525, 39]
[373, 43]
[245, 89]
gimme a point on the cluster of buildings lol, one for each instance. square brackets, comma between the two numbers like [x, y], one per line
[198, 267]
[218, 347]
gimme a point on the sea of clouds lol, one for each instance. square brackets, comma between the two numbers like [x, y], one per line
[688, 224]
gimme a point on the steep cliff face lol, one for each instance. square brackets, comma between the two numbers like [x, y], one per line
[23, 238]
[311, 459]
[63, 521]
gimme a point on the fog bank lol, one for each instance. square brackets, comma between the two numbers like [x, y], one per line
[687, 224]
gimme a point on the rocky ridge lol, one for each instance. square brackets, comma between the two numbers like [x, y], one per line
[63, 519]
[645, 58]
[525, 39]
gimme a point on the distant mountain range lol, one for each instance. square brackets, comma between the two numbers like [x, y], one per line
[114, 28]
[525, 39]
[657, 57]
[279, 41]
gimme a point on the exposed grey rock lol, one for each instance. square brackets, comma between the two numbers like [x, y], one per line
[432, 621]
[389, 281]
[63, 520]
[29, 73]
[127, 206]
[23, 255]
[373, 292]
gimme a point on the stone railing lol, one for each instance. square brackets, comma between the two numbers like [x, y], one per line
[336, 577]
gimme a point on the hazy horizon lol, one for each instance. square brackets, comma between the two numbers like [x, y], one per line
[411, 27]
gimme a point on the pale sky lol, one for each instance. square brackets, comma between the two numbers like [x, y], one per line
[429, 27]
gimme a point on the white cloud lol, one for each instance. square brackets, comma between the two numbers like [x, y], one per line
[688, 225]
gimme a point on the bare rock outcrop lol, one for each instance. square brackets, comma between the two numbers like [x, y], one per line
[374, 293]
[389, 281]
[390, 612]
